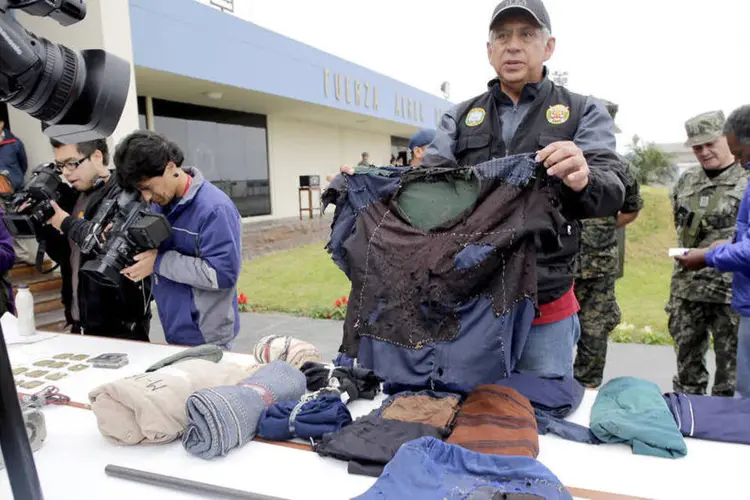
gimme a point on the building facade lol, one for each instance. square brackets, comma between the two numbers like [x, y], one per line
[252, 109]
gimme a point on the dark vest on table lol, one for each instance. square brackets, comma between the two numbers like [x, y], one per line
[554, 116]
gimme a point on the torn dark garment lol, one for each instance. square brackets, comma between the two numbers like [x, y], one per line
[371, 442]
[305, 419]
[711, 417]
[451, 306]
[355, 383]
[427, 468]
[553, 399]
[496, 420]
[437, 409]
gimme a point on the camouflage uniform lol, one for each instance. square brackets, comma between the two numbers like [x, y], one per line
[705, 211]
[595, 288]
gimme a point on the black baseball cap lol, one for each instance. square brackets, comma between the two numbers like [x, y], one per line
[534, 7]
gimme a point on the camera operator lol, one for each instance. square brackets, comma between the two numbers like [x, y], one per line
[120, 312]
[196, 270]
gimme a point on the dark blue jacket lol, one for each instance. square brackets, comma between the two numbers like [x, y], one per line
[13, 162]
[735, 257]
[196, 271]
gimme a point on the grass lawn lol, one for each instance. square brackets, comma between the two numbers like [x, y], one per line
[305, 281]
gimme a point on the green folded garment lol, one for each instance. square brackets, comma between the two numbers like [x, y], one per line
[631, 410]
[209, 352]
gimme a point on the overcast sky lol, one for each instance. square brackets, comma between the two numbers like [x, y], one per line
[662, 61]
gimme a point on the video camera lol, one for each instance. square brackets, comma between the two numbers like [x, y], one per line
[78, 97]
[134, 230]
[45, 185]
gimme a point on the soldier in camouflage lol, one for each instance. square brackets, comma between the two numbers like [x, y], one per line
[705, 202]
[595, 283]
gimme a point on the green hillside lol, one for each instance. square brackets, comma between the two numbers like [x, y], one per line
[305, 281]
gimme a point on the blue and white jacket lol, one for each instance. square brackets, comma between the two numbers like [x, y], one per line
[196, 271]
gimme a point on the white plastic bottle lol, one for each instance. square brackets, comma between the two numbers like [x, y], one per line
[25, 311]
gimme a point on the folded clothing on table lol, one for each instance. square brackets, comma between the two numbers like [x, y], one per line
[437, 409]
[150, 407]
[631, 410]
[310, 417]
[428, 468]
[278, 347]
[371, 442]
[207, 352]
[353, 383]
[496, 420]
[553, 399]
[223, 418]
[711, 417]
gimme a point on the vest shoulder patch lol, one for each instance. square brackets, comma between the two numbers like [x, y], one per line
[475, 117]
[558, 114]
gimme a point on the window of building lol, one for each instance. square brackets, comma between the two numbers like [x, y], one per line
[230, 148]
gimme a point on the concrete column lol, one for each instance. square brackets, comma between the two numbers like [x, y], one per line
[150, 114]
[106, 26]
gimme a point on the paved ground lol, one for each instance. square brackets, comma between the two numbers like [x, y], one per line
[655, 363]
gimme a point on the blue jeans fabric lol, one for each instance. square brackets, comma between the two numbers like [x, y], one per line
[711, 417]
[742, 389]
[549, 348]
[311, 419]
[553, 399]
[428, 468]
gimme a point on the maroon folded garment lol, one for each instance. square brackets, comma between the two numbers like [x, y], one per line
[496, 420]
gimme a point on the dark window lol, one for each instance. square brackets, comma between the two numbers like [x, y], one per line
[229, 147]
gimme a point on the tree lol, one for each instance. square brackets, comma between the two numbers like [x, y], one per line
[650, 164]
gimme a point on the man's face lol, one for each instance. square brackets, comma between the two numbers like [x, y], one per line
[365, 157]
[79, 170]
[417, 155]
[740, 150]
[2, 125]
[160, 190]
[518, 50]
[713, 155]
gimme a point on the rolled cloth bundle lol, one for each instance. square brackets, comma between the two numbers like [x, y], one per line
[353, 383]
[294, 351]
[308, 418]
[150, 407]
[223, 418]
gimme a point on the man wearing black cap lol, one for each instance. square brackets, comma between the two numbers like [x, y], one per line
[525, 112]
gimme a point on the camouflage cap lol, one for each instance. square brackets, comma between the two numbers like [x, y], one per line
[704, 128]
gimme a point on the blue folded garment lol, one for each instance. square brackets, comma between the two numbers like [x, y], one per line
[307, 418]
[553, 399]
[428, 468]
[631, 410]
[224, 418]
[711, 417]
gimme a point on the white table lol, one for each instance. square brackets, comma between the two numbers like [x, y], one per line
[71, 462]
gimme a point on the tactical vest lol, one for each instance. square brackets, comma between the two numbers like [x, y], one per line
[553, 116]
[691, 218]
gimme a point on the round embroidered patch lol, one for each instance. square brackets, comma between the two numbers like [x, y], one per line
[558, 114]
[475, 117]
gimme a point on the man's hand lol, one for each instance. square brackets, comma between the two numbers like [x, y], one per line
[565, 160]
[695, 259]
[143, 267]
[60, 215]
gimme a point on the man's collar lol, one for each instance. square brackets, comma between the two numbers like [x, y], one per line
[529, 92]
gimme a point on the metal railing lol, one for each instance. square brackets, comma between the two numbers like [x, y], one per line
[224, 5]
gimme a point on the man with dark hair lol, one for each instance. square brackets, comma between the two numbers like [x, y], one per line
[734, 255]
[92, 309]
[195, 271]
[523, 111]
[365, 161]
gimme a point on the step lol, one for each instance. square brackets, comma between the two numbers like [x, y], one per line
[21, 271]
[47, 301]
[40, 283]
[51, 321]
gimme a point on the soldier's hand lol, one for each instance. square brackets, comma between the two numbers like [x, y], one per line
[695, 259]
[565, 160]
[719, 243]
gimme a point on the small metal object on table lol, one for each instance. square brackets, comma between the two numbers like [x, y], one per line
[310, 207]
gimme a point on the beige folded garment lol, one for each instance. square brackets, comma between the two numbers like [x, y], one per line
[150, 407]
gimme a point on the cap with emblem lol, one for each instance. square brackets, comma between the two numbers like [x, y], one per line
[704, 128]
[534, 7]
[422, 138]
